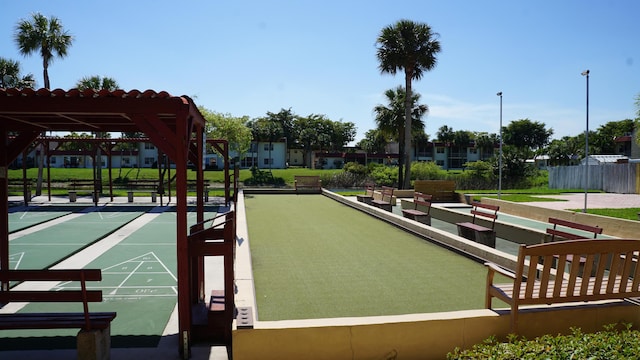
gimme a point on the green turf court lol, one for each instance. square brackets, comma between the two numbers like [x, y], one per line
[316, 258]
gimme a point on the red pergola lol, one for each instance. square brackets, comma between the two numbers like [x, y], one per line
[172, 123]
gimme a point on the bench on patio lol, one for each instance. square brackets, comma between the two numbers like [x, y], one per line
[308, 183]
[610, 272]
[143, 185]
[369, 190]
[385, 200]
[440, 190]
[479, 233]
[421, 208]
[93, 339]
[555, 231]
[82, 185]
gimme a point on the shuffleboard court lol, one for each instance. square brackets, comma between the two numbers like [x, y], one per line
[313, 257]
[44, 248]
[138, 282]
[20, 220]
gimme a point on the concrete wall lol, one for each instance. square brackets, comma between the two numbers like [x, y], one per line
[614, 227]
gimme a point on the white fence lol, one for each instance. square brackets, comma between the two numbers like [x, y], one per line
[613, 178]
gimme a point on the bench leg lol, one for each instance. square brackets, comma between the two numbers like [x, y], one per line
[486, 238]
[72, 196]
[130, 196]
[154, 197]
[94, 344]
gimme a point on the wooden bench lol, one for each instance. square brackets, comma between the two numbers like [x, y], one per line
[94, 335]
[82, 185]
[479, 233]
[612, 264]
[308, 183]
[386, 198]
[423, 202]
[369, 190]
[143, 185]
[440, 190]
[555, 231]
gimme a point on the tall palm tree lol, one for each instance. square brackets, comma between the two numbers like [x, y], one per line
[390, 120]
[44, 35]
[411, 47]
[96, 82]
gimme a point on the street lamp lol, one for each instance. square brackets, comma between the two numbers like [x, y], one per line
[586, 148]
[500, 159]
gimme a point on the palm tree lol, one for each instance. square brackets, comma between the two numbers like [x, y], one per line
[97, 82]
[411, 47]
[44, 35]
[390, 121]
[10, 75]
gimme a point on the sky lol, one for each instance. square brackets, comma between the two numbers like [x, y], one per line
[319, 57]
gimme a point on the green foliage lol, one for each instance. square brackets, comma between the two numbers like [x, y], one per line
[426, 170]
[355, 168]
[262, 178]
[343, 179]
[614, 342]
[384, 175]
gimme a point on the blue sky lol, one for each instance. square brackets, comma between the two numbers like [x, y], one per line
[319, 57]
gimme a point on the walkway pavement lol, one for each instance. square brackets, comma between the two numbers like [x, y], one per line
[594, 201]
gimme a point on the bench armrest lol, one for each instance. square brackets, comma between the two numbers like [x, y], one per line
[493, 268]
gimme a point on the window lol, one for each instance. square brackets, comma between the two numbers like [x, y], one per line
[53, 159]
[149, 161]
[440, 163]
[268, 161]
[149, 146]
[473, 150]
[125, 161]
[440, 150]
[268, 147]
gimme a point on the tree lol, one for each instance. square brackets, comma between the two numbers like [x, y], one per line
[526, 134]
[390, 120]
[411, 47]
[230, 128]
[604, 139]
[10, 75]
[96, 82]
[374, 142]
[43, 35]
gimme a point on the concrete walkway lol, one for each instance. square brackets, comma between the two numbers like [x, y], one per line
[594, 201]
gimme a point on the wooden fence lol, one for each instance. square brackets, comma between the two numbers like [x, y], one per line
[613, 178]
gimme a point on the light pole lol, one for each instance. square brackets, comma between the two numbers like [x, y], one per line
[586, 148]
[500, 159]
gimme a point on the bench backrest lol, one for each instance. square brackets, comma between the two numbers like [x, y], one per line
[609, 269]
[369, 189]
[307, 180]
[83, 295]
[386, 194]
[485, 210]
[441, 190]
[595, 230]
[422, 200]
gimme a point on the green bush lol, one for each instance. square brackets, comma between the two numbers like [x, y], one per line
[615, 342]
[384, 175]
[426, 170]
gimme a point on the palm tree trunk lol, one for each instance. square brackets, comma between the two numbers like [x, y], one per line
[407, 131]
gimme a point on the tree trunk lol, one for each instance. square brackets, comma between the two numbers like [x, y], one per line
[407, 130]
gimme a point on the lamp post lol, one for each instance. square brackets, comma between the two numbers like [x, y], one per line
[586, 148]
[500, 158]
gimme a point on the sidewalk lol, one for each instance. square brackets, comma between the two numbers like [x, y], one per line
[594, 201]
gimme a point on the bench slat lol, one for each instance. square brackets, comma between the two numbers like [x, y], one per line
[51, 275]
[50, 296]
[99, 320]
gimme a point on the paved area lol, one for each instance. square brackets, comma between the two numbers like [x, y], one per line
[594, 201]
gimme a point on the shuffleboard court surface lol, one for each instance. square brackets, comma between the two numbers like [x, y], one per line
[23, 219]
[138, 282]
[316, 258]
[44, 248]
